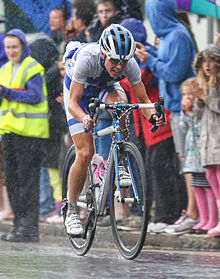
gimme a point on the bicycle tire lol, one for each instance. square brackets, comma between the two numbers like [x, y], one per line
[137, 220]
[82, 244]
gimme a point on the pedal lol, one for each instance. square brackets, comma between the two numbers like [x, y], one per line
[78, 235]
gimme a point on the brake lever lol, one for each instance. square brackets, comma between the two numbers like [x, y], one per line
[159, 106]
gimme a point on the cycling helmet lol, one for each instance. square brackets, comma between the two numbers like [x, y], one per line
[117, 42]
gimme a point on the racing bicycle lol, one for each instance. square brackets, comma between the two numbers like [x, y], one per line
[98, 199]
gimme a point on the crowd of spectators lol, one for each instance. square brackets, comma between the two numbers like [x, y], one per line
[184, 195]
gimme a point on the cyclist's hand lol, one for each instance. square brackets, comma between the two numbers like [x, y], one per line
[88, 123]
[156, 120]
[159, 120]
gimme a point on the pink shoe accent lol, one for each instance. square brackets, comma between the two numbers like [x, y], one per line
[58, 206]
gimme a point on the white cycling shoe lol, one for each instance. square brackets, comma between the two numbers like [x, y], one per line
[124, 177]
[73, 225]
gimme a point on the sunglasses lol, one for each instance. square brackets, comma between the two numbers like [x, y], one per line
[118, 62]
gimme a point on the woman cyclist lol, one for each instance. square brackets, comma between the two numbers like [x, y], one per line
[94, 70]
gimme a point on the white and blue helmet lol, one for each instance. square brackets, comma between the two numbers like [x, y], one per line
[117, 42]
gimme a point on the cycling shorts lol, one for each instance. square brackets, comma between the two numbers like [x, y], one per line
[76, 127]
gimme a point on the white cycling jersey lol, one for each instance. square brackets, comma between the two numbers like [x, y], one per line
[83, 64]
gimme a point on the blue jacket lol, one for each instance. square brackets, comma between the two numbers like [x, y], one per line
[172, 63]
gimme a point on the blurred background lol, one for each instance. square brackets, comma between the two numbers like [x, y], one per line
[14, 14]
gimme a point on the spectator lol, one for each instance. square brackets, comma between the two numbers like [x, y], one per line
[203, 192]
[25, 94]
[105, 10]
[5, 208]
[207, 67]
[83, 11]
[120, 8]
[58, 19]
[51, 147]
[172, 63]
[192, 169]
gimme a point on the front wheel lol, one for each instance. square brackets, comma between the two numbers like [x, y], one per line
[86, 208]
[129, 207]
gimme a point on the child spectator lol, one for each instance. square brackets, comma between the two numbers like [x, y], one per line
[199, 189]
[207, 67]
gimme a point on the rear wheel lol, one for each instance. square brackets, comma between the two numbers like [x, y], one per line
[130, 215]
[86, 208]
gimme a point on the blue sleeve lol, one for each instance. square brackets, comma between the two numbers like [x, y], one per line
[176, 68]
[152, 50]
[32, 95]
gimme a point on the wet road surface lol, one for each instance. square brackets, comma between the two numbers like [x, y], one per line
[53, 258]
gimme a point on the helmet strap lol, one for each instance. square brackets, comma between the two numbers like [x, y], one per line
[104, 60]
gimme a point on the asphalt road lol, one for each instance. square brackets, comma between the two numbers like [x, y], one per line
[54, 258]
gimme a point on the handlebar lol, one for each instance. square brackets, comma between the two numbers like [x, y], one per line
[95, 106]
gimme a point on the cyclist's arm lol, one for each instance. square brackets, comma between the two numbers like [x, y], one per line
[141, 94]
[76, 92]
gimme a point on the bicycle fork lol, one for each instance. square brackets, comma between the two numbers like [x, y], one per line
[117, 194]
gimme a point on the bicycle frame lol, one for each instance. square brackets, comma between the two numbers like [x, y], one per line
[115, 128]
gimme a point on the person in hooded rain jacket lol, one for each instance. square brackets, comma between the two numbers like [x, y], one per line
[23, 125]
[172, 62]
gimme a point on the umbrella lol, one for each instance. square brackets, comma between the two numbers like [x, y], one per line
[203, 7]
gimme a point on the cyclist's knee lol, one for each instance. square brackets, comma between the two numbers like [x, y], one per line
[116, 96]
[85, 155]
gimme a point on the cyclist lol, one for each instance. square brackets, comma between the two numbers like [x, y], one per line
[94, 70]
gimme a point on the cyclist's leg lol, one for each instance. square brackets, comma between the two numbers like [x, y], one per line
[78, 172]
[84, 152]
[115, 96]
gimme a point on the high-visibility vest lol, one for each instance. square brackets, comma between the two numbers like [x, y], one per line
[20, 118]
